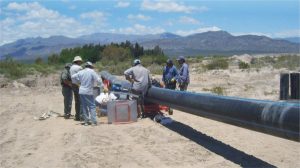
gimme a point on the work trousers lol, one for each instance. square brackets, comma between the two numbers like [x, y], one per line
[140, 101]
[171, 86]
[78, 108]
[68, 97]
[183, 86]
[88, 107]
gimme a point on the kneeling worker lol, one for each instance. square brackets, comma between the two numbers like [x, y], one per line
[139, 76]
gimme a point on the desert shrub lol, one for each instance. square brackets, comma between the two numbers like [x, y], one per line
[217, 63]
[111, 67]
[39, 60]
[290, 62]
[13, 69]
[42, 68]
[148, 60]
[218, 90]
[243, 65]
[155, 69]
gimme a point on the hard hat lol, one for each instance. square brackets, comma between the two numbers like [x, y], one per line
[77, 58]
[180, 58]
[136, 61]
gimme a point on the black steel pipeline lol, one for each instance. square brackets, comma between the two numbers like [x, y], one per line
[275, 118]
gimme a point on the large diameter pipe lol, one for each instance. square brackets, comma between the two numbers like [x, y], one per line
[276, 118]
[112, 79]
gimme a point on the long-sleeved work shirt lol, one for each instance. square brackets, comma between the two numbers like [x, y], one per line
[140, 76]
[168, 74]
[183, 74]
[73, 70]
[87, 78]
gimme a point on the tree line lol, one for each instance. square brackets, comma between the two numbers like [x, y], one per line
[113, 53]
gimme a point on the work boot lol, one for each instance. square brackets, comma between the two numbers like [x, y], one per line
[67, 116]
[77, 119]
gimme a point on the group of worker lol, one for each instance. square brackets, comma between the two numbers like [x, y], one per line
[79, 80]
[171, 76]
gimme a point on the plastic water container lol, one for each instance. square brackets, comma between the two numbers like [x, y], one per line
[122, 111]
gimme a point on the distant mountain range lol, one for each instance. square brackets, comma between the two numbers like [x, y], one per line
[291, 39]
[217, 42]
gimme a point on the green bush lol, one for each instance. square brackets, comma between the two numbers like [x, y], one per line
[218, 90]
[12, 69]
[290, 62]
[148, 60]
[217, 63]
[156, 69]
[116, 69]
[44, 69]
[243, 65]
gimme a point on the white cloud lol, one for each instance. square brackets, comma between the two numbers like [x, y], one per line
[288, 33]
[122, 4]
[199, 30]
[23, 6]
[252, 33]
[282, 34]
[169, 23]
[140, 29]
[94, 15]
[25, 20]
[72, 7]
[138, 17]
[188, 20]
[169, 6]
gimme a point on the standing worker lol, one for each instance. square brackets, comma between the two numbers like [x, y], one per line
[139, 76]
[169, 75]
[75, 86]
[87, 78]
[183, 77]
[66, 84]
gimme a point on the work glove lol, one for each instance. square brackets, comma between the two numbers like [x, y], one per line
[173, 80]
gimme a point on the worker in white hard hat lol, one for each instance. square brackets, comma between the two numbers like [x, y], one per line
[87, 78]
[75, 86]
[139, 76]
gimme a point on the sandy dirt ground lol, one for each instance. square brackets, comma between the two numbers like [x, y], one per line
[190, 141]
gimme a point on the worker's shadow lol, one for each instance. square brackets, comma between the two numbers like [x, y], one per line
[230, 153]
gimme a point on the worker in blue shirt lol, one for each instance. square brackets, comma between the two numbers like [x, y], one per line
[169, 75]
[183, 77]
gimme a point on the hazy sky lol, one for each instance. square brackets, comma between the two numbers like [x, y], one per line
[72, 18]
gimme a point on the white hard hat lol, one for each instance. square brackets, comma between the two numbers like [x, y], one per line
[77, 58]
[136, 61]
